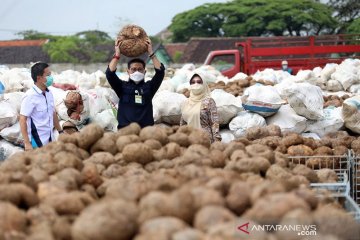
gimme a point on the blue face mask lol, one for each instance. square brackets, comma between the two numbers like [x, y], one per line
[49, 81]
[2, 88]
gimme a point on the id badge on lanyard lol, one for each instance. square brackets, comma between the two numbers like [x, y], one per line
[138, 98]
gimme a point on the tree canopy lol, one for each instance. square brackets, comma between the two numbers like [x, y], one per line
[346, 12]
[254, 18]
[83, 47]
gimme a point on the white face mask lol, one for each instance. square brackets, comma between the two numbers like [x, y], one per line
[197, 88]
[137, 77]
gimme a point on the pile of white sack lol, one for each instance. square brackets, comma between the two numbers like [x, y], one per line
[295, 103]
[100, 103]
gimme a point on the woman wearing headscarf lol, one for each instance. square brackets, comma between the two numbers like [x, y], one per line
[199, 110]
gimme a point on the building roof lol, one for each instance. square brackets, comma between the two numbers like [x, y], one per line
[22, 51]
[197, 49]
[173, 48]
[23, 43]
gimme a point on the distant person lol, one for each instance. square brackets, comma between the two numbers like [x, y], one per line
[199, 110]
[37, 114]
[135, 104]
[285, 67]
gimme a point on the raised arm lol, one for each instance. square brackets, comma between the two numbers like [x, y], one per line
[110, 73]
[152, 55]
[114, 61]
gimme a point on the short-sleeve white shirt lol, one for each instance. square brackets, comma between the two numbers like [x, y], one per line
[40, 109]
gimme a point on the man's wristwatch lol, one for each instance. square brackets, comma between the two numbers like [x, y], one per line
[116, 56]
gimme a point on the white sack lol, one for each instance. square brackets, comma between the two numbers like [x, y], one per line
[288, 120]
[167, 107]
[7, 149]
[327, 71]
[311, 135]
[8, 115]
[355, 89]
[13, 78]
[238, 76]
[14, 99]
[227, 105]
[226, 136]
[334, 85]
[331, 122]
[351, 113]
[306, 76]
[261, 99]
[106, 120]
[245, 120]
[306, 100]
[347, 73]
[12, 134]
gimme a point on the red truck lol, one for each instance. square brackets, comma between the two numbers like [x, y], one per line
[257, 53]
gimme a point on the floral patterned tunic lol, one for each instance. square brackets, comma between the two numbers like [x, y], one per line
[209, 119]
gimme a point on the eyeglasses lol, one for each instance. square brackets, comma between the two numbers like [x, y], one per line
[137, 69]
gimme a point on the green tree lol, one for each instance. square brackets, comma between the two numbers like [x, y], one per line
[92, 46]
[254, 18]
[177, 56]
[34, 35]
[83, 47]
[203, 21]
[354, 27]
[345, 11]
[63, 49]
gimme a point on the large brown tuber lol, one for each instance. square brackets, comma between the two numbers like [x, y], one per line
[131, 129]
[107, 219]
[209, 216]
[300, 150]
[69, 203]
[180, 138]
[124, 140]
[90, 175]
[18, 194]
[292, 139]
[89, 135]
[259, 150]
[167, 225]
[252, 164]
[271, 208]
[306, 172]
[254, 133]
[103, 158]
[105, 144]
[132, 39]
[11, 219]
[326, 175]
[238, 198]
[137, 152]
[154, 132]
[335, 221]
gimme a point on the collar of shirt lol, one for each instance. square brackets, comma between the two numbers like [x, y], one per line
[38, 90]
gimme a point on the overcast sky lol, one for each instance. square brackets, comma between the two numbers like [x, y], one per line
[62, 17]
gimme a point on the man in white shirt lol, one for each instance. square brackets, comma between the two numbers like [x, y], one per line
[37, 114]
